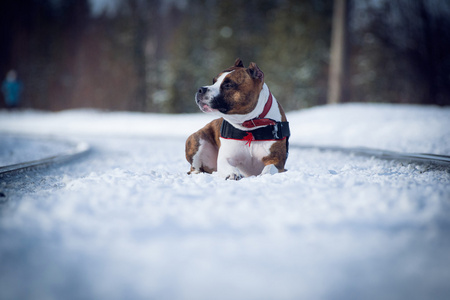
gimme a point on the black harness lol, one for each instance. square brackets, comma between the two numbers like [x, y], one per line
[278, 131]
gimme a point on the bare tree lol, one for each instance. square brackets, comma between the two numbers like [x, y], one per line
[339, 71]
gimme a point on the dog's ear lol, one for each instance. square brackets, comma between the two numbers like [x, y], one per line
[255, 72]
[238, 63]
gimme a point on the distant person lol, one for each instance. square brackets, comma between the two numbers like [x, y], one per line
[11, 89]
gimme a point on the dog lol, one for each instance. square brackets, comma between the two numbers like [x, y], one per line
[251, 136]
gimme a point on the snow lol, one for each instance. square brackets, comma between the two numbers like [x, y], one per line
[21, 148]
[404, 128]
[127, 222]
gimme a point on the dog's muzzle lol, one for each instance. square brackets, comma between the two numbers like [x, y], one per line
[202, 99]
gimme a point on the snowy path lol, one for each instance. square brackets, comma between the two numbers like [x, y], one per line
[126, 222]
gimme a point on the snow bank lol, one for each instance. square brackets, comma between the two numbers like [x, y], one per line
[404, 128]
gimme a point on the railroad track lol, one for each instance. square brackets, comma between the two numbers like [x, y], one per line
[422, 158]
[77, 149]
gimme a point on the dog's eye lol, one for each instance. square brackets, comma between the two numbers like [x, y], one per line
[227, 85]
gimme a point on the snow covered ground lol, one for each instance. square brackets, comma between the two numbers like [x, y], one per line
[126, 222]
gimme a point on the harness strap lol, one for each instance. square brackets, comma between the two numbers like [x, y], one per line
[278, 131]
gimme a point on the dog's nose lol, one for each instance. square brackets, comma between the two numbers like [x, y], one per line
[202, 90]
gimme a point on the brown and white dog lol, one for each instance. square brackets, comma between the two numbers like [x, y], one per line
[250, 138]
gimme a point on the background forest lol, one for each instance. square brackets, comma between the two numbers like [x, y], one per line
[152, 55]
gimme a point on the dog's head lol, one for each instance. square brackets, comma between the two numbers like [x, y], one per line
[234, 91]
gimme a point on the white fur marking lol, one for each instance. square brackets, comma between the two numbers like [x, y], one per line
[235, 157]
[214, 90]
[206, 156]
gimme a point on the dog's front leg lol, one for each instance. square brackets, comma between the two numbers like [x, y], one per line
[227, 162]
[226, 168]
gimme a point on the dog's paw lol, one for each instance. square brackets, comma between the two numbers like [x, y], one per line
[269, 169]
[193, 171]
[234, 176]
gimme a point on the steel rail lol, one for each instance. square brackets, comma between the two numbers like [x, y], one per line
[426, 158]
[78, 149]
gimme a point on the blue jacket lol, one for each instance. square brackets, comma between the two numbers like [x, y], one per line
[11, 90]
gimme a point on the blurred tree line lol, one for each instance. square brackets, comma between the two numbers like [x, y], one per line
[152, 55]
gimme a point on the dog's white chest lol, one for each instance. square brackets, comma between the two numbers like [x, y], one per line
[243, 155]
